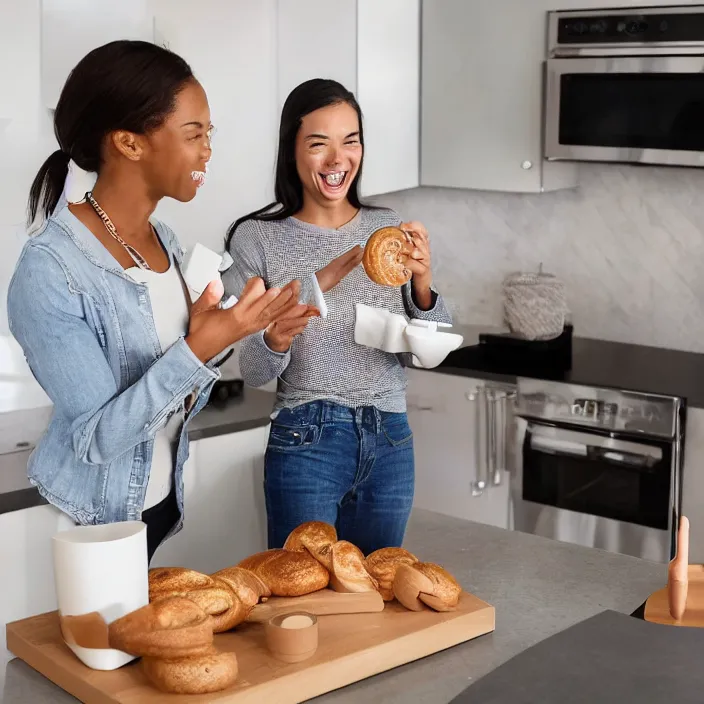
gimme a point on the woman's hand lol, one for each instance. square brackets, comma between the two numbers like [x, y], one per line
[331, 275]
[418, 263]
[279, 335]
[211, 330]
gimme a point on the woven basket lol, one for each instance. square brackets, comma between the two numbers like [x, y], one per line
[535, 305]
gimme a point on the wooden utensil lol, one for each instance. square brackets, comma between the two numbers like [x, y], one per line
[681, 602]
[677, 577]
[321, 603]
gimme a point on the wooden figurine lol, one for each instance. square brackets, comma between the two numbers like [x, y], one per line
[678, 573]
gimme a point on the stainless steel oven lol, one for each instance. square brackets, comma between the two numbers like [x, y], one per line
[626, 85]
[598, 467]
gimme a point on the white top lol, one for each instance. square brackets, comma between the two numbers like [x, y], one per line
[170, 311]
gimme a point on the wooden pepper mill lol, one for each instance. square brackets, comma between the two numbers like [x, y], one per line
[677, 573]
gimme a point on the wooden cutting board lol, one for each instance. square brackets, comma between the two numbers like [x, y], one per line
[657, 608]
[351, 647]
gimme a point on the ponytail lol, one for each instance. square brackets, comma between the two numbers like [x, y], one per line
[123, 85]
[48, 185]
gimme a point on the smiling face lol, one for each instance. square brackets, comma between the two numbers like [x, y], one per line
[328, 153]
[176, 154]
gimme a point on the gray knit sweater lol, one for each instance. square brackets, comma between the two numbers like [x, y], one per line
[324, 362]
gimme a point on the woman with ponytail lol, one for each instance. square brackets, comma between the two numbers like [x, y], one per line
[97, 300]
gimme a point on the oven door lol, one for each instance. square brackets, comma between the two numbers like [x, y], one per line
[594, 490]
[647, 109]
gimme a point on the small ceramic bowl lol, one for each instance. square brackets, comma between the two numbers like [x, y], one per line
[292, 636]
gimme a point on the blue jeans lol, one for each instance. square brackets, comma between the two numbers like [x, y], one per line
[352, 468]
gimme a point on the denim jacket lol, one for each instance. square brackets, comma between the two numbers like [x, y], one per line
[88, 334]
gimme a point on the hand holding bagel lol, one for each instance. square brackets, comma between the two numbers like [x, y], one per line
[393, 256]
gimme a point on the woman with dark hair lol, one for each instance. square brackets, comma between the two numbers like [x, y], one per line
[97, 300]
[340, 449]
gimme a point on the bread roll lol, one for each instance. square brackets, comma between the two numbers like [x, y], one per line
[349, 573]
[170, 627]
[317, 538]
[385, 256]
[446, 591]
[164, 581]
[203, 674]
[426, 584]
[245, 584]
[215, 597]
[382, 565]
[288, 573]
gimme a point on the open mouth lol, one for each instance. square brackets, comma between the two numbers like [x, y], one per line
[199, 176]
[334, 181]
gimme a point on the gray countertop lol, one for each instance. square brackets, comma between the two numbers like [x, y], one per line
[538, 587]
[251, 410]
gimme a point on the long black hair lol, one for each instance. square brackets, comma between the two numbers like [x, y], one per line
[123, 85]
[304, 99]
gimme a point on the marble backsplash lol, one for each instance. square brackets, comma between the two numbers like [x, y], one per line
[628, 243]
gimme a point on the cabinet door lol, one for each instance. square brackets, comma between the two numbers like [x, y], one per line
[316, 39]
[442, 419]
[225, 515]
[231, 47]
[373, 49]
[388, 91]
[481, 97]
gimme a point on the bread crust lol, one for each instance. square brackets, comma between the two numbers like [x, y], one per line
[170, 627]
[288, 573]
[317, 537]
[382, 564]
[214, 596]
[210, 672]
[424, 584]
[349, 573]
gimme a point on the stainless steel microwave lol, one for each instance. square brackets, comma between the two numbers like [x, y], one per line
[626, 85]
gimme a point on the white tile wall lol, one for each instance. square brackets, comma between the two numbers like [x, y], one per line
[629, 243]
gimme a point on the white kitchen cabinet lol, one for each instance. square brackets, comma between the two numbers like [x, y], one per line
[482, 97]
[225, 515]
[372, 47]
[442, 420]
[72, 28]
[231, 47]
[28, 568]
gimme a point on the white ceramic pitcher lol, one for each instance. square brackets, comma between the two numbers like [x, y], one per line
[102, 574]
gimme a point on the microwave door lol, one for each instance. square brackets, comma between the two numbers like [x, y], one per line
[646, 109]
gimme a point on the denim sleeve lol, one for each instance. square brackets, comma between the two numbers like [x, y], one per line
[46, 316]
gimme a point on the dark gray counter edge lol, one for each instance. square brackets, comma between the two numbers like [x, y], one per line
[252, 410]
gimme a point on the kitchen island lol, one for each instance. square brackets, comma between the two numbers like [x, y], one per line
[538, 587]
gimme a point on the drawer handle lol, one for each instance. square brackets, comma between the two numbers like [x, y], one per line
[414, 407]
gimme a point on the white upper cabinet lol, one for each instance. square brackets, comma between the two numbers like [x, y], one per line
[482, 97]
[231, 48]
[372, 47]
[72, 28]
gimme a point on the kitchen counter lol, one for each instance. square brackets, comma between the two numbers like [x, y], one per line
[20, 429]
[538, 587]
[598, 363]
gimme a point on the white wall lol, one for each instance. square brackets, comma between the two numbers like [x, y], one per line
[232, 49]
[628, 242]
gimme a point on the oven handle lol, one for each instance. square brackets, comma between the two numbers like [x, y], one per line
[577, 443]
[478, 398]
